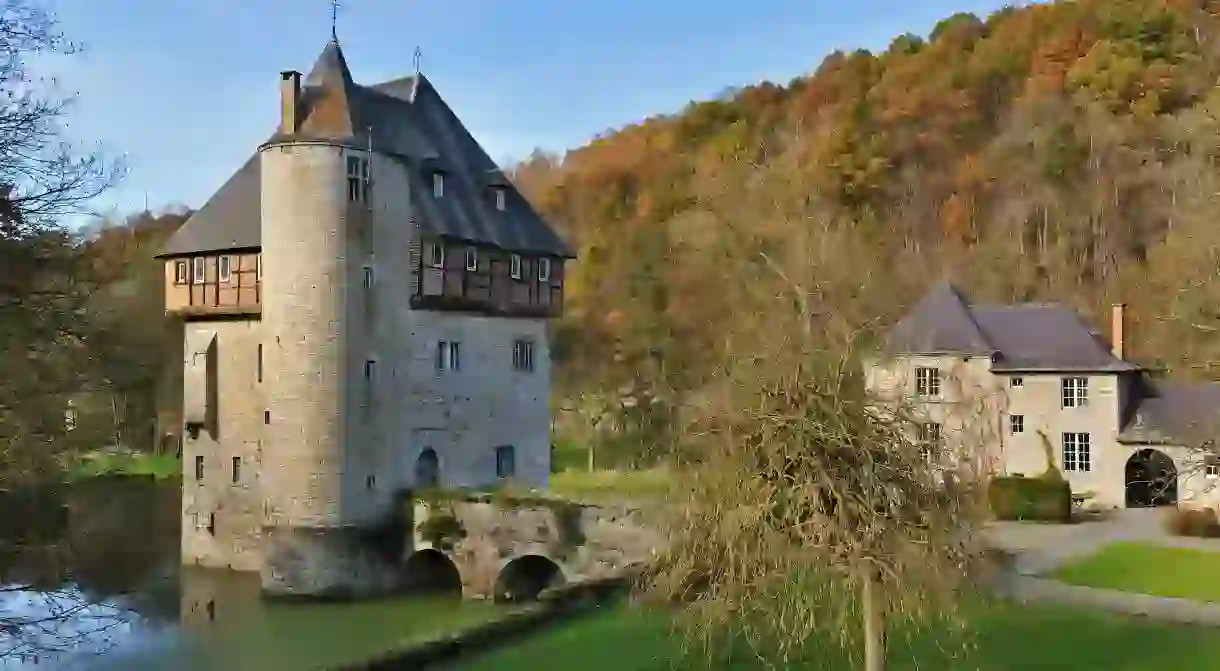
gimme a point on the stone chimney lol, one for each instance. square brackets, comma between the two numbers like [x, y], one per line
[290, 98]
[1117, 330]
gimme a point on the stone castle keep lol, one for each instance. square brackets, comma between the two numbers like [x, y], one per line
[365, 303]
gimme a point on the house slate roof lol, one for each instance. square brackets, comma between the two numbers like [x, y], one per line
[406, 120]
[1023, 337]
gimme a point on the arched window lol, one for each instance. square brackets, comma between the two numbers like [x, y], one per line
[427, 469]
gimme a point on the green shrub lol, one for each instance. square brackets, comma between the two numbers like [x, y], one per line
[1045, 499]
[1193, 522]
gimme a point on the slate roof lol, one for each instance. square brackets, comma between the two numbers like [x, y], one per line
[407, 120]
[1172, 412]
[1025, 337]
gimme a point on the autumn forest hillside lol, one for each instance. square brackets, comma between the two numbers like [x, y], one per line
[1057, 152]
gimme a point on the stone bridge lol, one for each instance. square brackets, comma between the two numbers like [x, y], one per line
[513, 548]
[488, 545]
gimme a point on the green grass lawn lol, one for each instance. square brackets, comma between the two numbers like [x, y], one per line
[1148, 569]
[610, 485]
[1007, 637]
[107, 463]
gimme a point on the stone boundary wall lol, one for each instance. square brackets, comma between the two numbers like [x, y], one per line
[556, 606]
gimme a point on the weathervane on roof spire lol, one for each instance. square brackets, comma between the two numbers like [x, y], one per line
[419, 56]
[334, 20]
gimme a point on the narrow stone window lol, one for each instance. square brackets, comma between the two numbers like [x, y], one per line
[260, 362]
[236, 470]
[212, 524]
[523, 356]
[199, 467]
[370, 481]
[357, 179]
[506, 461]
[266, 417]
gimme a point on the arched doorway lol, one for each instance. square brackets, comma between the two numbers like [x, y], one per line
[524, 578]
[431, 571]
[427, 468]
[1151, 479]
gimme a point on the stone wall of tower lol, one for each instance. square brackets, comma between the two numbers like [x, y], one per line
[305, 288]
[222, 508]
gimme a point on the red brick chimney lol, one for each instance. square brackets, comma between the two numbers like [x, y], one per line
[1117, 330]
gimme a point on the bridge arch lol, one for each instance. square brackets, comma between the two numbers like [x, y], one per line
[431, 570]
[525, 577]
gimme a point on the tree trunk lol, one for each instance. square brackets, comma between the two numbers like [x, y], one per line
[874, 623]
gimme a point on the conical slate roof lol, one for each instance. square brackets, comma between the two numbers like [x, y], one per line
[404, 118]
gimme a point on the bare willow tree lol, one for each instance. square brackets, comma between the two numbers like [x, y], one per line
[43, 179]
[816, 506]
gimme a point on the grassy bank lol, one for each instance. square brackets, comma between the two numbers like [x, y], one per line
[1147, 569]
[1007, 637]
[98, 463]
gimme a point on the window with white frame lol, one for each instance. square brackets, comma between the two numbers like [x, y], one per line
[1076, 454]
[514, 266]
[1017, 382]
[357, 179]
[1075, 392]
[544, 269]
[501, 198]
[523, 356]
[1016, 424]
[927, 382]
[180, 276]
[259, 267]
[199, 269]
[448, 355]
[224, 268]
[438, 185]
[436, 254]
[929, 434]
[472, 258]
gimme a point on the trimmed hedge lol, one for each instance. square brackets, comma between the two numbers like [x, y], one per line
[1043, 499]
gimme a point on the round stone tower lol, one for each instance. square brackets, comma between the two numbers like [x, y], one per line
[310, 268]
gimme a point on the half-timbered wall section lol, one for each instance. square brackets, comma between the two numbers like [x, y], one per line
[453, 275]
[213, 284]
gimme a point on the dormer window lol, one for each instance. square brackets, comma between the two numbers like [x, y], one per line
[438, 184]
[514, 266]
[501, 195]
[472, 258]
[436, 254]
[544, 269]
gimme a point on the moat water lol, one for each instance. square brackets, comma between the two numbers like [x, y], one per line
[90, 578]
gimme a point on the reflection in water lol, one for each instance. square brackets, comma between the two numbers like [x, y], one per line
[95, 583]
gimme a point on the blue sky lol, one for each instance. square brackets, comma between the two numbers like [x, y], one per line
[186, 89]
